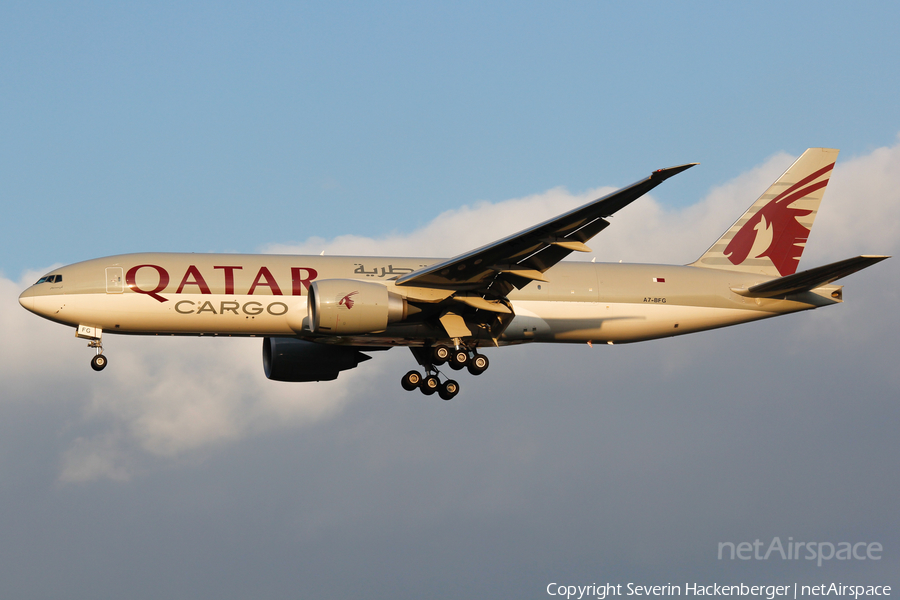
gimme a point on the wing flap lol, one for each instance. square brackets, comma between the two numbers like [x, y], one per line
[476, 301]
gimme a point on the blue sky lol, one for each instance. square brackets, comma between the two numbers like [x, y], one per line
[228, 126]
[430, 129]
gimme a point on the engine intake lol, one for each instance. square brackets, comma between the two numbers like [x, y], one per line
[290, 359]
[349, 306]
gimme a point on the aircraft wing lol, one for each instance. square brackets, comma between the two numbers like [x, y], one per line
[519, 259]
[810, 279]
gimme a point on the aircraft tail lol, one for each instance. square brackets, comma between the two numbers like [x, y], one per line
[769, 238]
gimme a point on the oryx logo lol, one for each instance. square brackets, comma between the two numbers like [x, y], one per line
[775, 231]
[347, 300]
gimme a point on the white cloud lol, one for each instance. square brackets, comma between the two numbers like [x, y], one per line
[862, 214]
[451, 232]
[99, 457]
[170, 398]
[160, 396]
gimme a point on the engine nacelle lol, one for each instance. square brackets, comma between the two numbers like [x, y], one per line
[290, 359]
[350, 306]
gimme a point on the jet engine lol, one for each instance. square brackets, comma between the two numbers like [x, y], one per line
[290, 359]
[350, 306]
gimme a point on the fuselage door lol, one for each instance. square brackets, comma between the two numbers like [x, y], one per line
[115, 280]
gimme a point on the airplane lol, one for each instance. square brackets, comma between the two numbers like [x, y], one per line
[319, 315]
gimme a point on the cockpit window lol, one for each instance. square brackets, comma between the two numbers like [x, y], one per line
[50, 279]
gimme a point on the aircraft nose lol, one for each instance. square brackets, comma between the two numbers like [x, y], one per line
[26, 299]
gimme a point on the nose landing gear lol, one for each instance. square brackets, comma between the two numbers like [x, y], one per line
[94, 337]
[99, 362]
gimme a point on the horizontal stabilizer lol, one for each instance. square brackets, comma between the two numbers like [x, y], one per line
[811, 279]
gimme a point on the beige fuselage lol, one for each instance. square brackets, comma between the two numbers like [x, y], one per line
[266, 295]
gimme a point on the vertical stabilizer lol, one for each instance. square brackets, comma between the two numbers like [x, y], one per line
[771, 235]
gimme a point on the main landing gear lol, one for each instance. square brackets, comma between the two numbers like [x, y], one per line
[429, 384]
[458, 359]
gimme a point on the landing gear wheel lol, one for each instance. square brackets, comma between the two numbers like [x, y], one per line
[411, 381]
[448, 390]
[479, 364]
[440, 354]
[458, 359]
[98, 363]
[430, 385]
